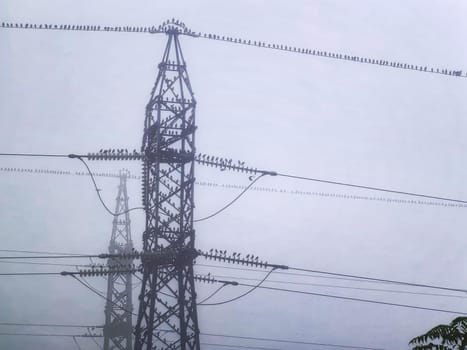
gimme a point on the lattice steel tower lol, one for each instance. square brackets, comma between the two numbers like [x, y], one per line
[167, 317]
[118, 326]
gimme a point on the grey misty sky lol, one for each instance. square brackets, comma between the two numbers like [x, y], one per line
[79, 92]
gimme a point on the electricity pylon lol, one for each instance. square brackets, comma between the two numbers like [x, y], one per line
[118, 326]
[167, 317]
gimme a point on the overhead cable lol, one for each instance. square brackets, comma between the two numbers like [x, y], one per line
[231, 202]
[228, 164]
[59, 325]
[36, 252]
[379, 279]
[234, 346]
[241, 295]
[296, 192]
[337, 56]
[371, 188]
[251, 260]
[99, 194]
[208, 334]
[49, 257]
[289, 341]
[203, 343]
[50, 335]
[171, 25]
[30, 274]
[212, 255]
[297, 177]
[42, 264]
[344, 287]
[101, 295]
[356, 299]
[210, 296]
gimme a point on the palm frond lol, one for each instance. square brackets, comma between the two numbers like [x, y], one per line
[449, 334]
[432, 346]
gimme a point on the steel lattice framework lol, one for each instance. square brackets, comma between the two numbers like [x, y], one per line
[118, 309]
[167, 317]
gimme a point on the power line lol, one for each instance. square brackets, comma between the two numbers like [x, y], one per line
[42, 264]
[38, 171]
[327, 277]
[297, 177]
[335, 55]
[232, 201]
[49, 257]
[212, 294]
[241, 295]
[42, 155]
[101, 295]
[290, 273]
[208, 344]
[79, 157]
[371, 188]
[221, 256]
[355, 278]
[240, 41]
[208, 334]
[30, 274]
[380, 280]
[356, 299]
[50, 335]
[95, 28]
[323, 194]
[295, 192]
[35, 252]
[224, 164]
[257, 280]
[233, 346]
[60, 325]
[344, 287]
[288, 341]
[99, 194]
[254, 287]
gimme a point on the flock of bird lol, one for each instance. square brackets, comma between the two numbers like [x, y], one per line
[225, 164]
[236, 258]
[176, 26]
[173, 25]
[115, 154]
[203, 159]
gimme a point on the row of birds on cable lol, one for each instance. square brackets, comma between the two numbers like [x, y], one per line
[102, 271]
[63, 172]
[37, 171]
[224, 164]
[218, 160]
[167, 26]
[234, 255]
[114, 154]
[205, 279]
[118, 151]
[175, 25]
[354, 58]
